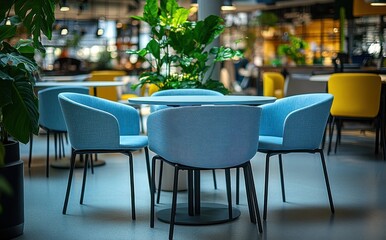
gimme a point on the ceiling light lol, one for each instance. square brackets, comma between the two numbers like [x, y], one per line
[228, 6]
[193, 3]
[63, 6]
[377, 2]
[100, 32]
[64, 31]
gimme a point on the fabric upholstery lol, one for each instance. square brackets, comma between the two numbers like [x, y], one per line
[295, 122]
[96, 123]
[205, 137]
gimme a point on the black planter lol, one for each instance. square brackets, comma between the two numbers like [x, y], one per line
[12, 217]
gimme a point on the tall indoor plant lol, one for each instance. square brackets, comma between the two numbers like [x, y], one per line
[18, 103]
[179, 51]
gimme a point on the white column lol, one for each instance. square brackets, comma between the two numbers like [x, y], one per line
[207, 8]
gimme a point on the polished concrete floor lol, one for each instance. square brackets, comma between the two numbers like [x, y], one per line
[357, 177]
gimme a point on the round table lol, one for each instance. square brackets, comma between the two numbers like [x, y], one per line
[207, 213]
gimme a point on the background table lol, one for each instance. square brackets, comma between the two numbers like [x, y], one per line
[206, 213]
[93, 84]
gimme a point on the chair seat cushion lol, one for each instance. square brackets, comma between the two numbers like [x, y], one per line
[270, 143]
[133, 142]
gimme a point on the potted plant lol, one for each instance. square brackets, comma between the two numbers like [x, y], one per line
[180, 51]
[294, 50]
[18, 104]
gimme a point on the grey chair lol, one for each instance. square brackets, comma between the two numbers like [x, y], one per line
[97, 125]
[204, 138]
[52, 121]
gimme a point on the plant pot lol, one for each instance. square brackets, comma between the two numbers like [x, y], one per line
[12, 217]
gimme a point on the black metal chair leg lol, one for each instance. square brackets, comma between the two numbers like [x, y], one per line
[56, 145]
[132, 186]
[152, 203]
[69, 183]
[282, 178]
[161, 166]
[237, 186]
[331, 133]
[251, 183]
[214, 179]
[327, 181]
[229, 191]
[249, 196]
[148, 167]
[266, 186]
[84, 178]
[174, 203]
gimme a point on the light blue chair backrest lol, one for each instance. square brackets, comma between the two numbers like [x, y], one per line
[96, 123]
[205, 136]
[50, 113]
[300, 119]
[182, 92]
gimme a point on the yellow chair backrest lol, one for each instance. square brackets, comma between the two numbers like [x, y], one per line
[273, 84]
[110, 93]
[355, 94]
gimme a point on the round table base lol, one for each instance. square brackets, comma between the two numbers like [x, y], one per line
[65, 163]
[211, 213]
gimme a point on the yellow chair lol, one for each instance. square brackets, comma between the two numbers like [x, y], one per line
[273, 84]
[110, 93]
[357, 96]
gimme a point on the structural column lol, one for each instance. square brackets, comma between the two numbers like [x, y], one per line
[205, 9]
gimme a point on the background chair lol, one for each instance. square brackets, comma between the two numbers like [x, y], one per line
[294, 124]
[96, 125]
[52, 121]
[357, 97]
[204, 137]
[109, 93]
[181, 92]
[273, 84]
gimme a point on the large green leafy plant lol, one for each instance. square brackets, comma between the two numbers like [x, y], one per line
[18, 71]
[180, 51]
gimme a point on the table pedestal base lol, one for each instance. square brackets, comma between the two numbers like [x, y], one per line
[65, 163]
[211, 213]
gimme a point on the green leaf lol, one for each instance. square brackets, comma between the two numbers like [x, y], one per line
[7, 31]
[154, 48]
[150, 12]
[16, 59]
[26, 48]
[20, 118]
[179, 17]
[169, 6]
[5, 84]
[37, 16]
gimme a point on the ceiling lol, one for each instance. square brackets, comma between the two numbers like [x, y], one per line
[124, 9]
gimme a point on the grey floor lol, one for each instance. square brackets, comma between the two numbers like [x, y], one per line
[357, 176]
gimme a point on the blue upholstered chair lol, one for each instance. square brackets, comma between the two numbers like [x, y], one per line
[97, 125]
[51, 119]
[181, 92]
[294, 124]
[204, 137]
